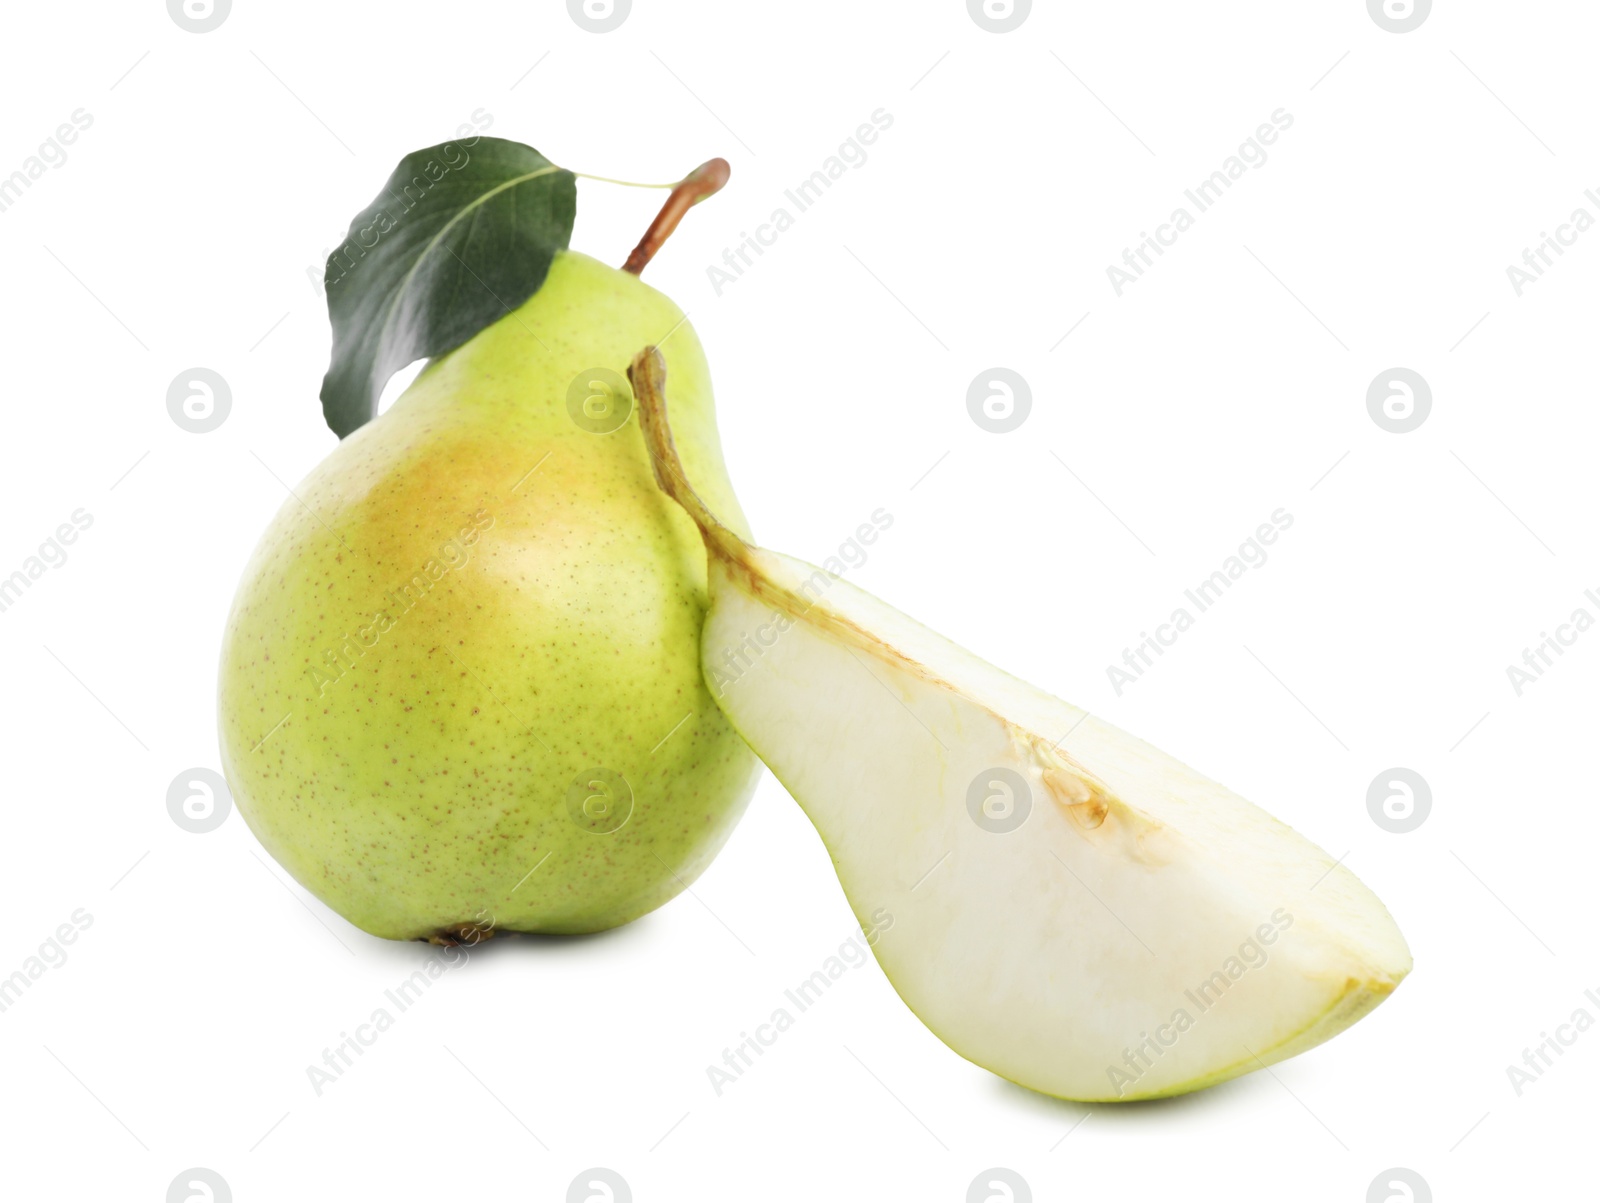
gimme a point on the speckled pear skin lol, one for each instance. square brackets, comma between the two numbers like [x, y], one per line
[478, 603]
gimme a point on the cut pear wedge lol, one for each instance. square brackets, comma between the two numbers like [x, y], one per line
[1058, 901]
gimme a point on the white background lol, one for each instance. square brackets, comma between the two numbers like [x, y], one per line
[1231, 380]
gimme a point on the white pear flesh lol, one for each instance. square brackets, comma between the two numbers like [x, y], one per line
[1059, 954]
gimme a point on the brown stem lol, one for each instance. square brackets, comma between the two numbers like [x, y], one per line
[648, 374]
[705, 180]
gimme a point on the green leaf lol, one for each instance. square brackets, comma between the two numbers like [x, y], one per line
[463, 233]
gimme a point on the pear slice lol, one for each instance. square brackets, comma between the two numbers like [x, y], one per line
[1058, 901]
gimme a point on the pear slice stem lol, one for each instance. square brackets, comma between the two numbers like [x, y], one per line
[705, 180]
[648, 374]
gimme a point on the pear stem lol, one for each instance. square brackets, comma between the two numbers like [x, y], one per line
[648, 374]
[705, 180]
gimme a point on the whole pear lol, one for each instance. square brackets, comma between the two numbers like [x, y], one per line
[460, 684]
